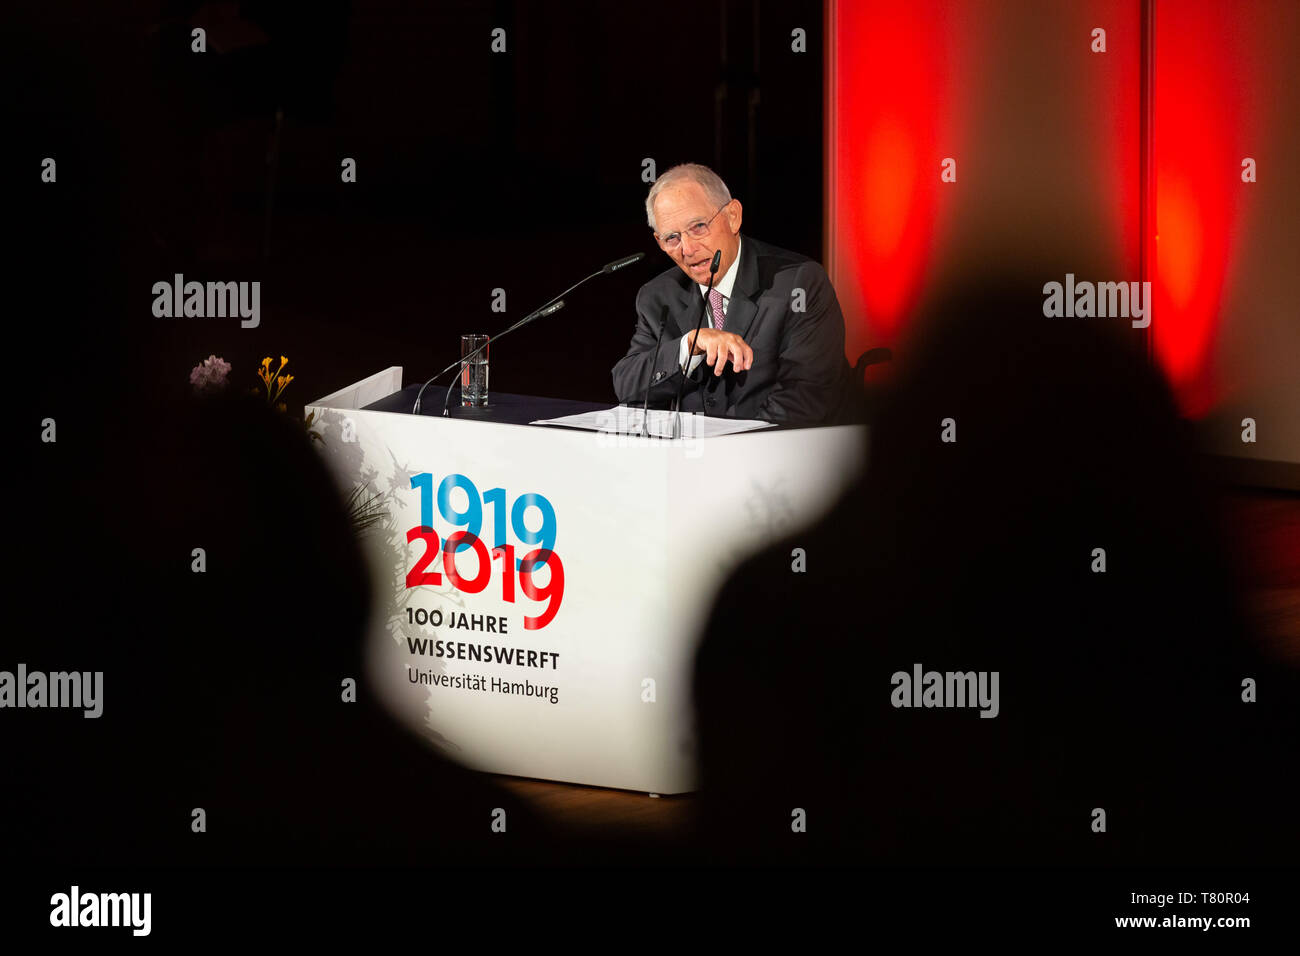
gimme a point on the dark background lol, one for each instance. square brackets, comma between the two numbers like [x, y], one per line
[475, 171]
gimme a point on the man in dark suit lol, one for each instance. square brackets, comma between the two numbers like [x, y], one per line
[772, 343]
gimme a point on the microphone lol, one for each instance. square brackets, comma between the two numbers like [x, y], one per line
[621, 263]
[606, 269]
[645, 406]
[704, 304]
[543, 311]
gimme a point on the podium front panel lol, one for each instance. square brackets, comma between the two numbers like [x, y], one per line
[536, 612]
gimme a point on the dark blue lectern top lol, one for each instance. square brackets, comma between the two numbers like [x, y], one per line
[502, 406]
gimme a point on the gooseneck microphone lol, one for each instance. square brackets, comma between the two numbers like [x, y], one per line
[550, 307]
[690, 351]
[544, 310]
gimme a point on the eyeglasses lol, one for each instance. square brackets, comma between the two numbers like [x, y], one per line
[696, 230]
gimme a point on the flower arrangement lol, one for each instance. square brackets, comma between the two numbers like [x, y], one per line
[210, 375]
[275, 382]
[364, 509]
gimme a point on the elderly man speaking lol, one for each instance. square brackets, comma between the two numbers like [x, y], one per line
[772, 343]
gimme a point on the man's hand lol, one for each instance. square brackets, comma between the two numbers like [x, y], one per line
[719, 347]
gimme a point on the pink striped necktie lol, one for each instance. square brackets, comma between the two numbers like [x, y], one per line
[715, 300]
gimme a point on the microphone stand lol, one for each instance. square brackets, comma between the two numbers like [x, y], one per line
[546, 309]
[690, 352]
[645, 406]
[415, 410]
[549, 309]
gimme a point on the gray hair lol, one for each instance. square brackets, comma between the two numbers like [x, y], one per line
[711, 182]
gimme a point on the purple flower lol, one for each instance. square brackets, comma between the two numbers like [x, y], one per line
[209, 375]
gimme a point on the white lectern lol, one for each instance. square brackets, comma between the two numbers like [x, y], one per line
[540, 591]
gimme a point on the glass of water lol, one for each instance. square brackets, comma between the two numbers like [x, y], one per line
[474, 370]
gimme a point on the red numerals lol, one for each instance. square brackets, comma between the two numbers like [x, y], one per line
[416, 576]
[449, 551]
[552, 592]
[507, 553]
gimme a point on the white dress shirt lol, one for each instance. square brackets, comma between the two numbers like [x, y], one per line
[724, 286]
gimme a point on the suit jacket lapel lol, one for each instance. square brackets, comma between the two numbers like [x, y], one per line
[740, 310]
[686, 310]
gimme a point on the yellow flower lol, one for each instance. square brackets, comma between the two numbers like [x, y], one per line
[283, 361]
[266, 361]
[288, 379]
